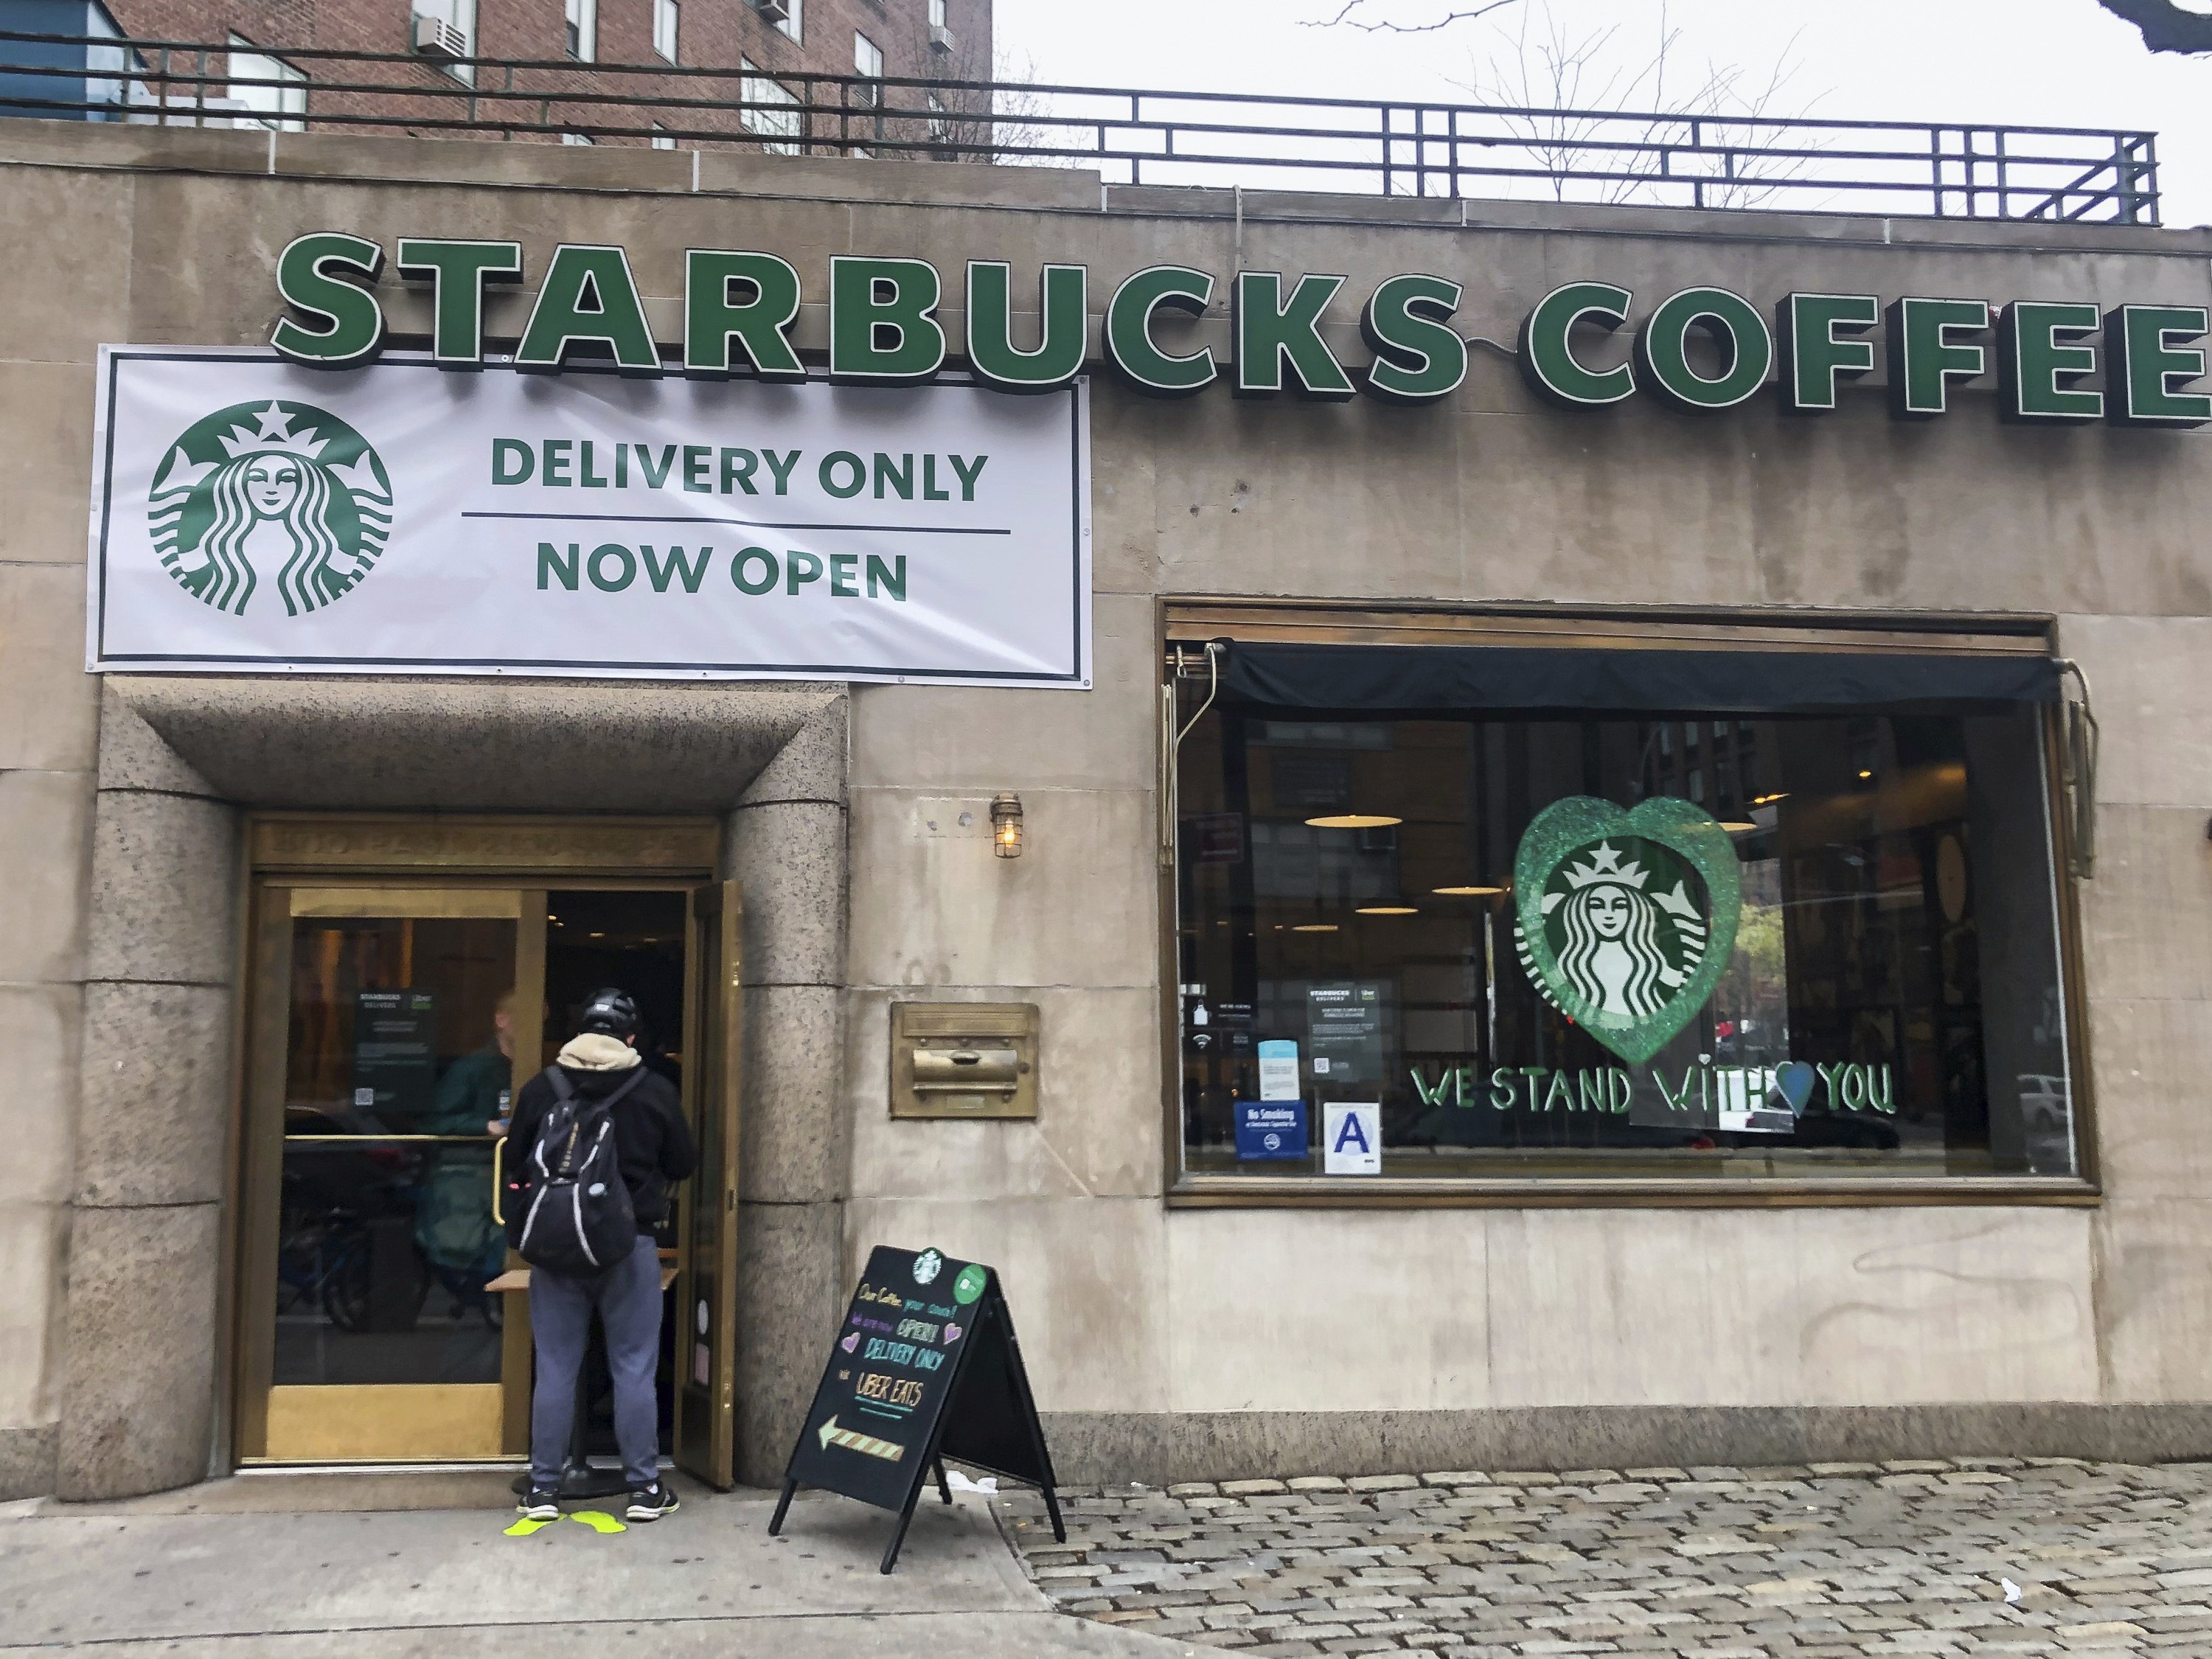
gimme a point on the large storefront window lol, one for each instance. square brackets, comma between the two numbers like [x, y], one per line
[1820, 940]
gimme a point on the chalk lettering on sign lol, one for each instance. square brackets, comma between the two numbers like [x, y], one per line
[904, 1392]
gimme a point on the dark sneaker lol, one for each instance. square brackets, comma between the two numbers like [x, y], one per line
[655, 1501]
[539, 1503]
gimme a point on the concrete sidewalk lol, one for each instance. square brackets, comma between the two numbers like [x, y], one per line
[393, 1584]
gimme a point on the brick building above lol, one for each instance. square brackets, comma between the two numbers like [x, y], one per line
[258, 59]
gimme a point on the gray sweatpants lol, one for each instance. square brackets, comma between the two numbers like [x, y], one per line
[627, 1298]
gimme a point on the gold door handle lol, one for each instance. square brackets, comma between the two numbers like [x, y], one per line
[498, 1156]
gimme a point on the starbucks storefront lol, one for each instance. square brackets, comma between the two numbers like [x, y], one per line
[1523, 831]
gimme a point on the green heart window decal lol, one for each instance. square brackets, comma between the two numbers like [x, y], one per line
[1626, 919]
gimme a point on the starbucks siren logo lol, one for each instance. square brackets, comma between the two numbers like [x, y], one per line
[1626, 919]
[281, 492]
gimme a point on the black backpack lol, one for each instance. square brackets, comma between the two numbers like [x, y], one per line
[580, 1221]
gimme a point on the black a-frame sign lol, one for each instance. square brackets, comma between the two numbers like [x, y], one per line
[926, 1367]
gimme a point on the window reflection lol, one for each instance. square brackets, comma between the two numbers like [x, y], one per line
[1890, 1003]
[399, 1055]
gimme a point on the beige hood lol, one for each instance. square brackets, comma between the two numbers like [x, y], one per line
[592, 1052]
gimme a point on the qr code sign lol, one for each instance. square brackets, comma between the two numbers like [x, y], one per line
[364, 1096]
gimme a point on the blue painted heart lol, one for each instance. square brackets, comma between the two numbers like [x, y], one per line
[1793, 1078]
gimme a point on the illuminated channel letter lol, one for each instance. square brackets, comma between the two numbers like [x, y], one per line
[1924, 358]
[1269, 332]
[1063, 300]
[2038, 362]
[1419, 356]
[883, 329]
[1732, 323]
[457, 272]
[1547, 361]
[588, 300]
[1811, 330]
[1128, 331]
[345, 326]
[760, 323]
[2142, 363]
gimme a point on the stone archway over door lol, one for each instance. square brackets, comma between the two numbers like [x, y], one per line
[143, 1367]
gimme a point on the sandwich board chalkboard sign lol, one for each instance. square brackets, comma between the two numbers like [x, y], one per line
[924, 1367]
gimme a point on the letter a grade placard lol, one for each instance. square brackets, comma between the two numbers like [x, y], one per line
[926, 1367]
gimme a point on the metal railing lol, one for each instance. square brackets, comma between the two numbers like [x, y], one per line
[1395, 147]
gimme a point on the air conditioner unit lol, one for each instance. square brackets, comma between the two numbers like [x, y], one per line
[435, 38]
[774, 11]
[940, 39]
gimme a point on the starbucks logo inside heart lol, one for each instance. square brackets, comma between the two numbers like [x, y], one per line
[1626, 919]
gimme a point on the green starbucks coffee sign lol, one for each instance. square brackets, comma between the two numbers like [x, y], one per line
[260, 502]
[1702, 350]
[1626, 919]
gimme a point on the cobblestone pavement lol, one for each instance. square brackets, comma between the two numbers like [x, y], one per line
[1970, 1556]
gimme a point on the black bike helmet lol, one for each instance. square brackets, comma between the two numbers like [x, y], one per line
[610, 1013]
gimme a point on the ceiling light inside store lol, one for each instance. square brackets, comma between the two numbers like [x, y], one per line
[1466, 892]
[1353, 820]
[1314, 927]
[1769, 801]
[1387, 911]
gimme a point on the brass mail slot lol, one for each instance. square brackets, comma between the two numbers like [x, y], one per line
[964, 1059]
[964, 1071]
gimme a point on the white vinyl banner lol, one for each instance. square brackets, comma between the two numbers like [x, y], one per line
[249, 515]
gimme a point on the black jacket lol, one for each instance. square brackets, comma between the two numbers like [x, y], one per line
[653, 1143]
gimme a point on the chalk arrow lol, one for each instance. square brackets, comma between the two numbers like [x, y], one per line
[851, 1440]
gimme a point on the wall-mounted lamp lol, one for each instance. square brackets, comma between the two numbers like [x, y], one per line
[1007, 826]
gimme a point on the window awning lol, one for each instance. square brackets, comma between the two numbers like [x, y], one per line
[1461, 677]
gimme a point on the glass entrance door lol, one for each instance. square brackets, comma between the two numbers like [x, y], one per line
[390, 1015]
[386, 1028]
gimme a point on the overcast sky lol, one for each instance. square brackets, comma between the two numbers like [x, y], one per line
[2059, 62]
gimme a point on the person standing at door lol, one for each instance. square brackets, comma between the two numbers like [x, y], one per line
[454, 1225]
[653, 1147]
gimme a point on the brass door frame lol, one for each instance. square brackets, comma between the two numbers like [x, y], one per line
[450, 865]
[277, 903]
[707, 1240]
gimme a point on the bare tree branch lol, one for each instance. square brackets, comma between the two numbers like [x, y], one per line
[1344, 18]
[2165, 25]
[1597, 117]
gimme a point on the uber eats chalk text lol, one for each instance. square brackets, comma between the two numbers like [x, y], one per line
[724, 470]
[1702, 349]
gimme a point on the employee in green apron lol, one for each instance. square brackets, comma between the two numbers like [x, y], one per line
[453, 1223]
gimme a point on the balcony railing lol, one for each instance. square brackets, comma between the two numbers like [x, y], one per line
[1393, 147]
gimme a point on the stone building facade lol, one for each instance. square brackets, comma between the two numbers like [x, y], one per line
[1969, 1255]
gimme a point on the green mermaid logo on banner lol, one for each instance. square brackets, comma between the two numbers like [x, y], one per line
[1626, 919]
[279, 491]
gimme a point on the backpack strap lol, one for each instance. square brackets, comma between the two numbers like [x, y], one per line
[636, 1076]
[605, 1105]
